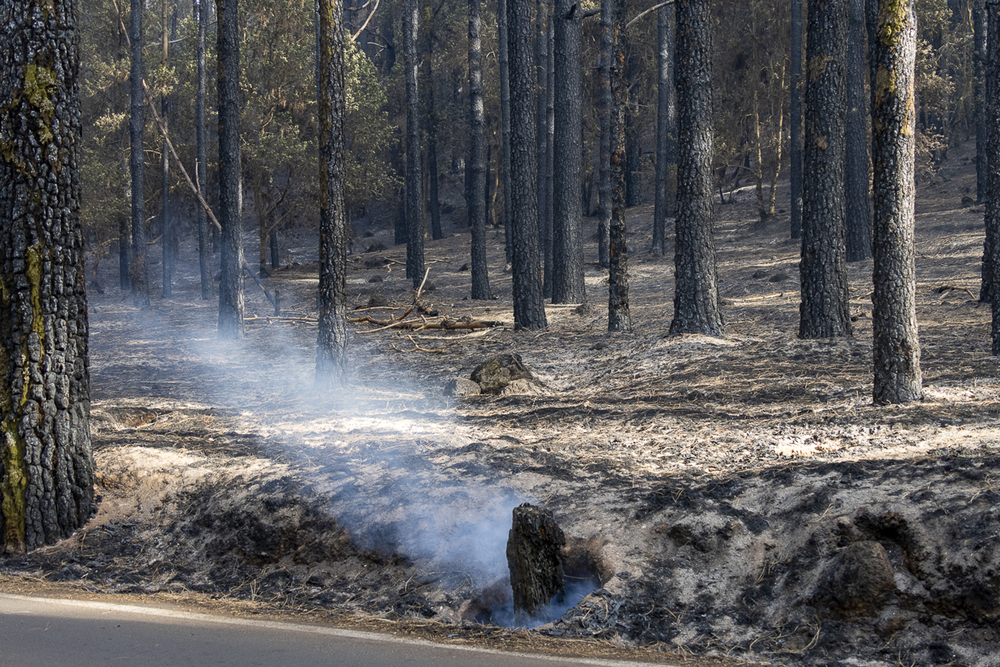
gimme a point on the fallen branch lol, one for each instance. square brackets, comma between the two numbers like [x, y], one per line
[417, 348]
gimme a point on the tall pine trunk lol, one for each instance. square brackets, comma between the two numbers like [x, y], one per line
[529, 306]
[979, 55]
[505, 125]
[46, 464]
[825, 307]
[696, 289]
[895, 348]
[796, 147]
[201, 166]
[605, 191]
[567, 153]
[414, 220]
[331, 348]
[477, 157]
[231, 297]
[619, 314]
[138, 266]
[166, 225]
[666, 120]
[857, 172]
[433, 198]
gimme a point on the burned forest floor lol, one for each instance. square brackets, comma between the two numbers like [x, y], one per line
[724, 499]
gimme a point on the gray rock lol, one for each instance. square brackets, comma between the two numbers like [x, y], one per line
[460, 387]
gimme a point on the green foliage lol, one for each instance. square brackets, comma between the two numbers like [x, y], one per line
[369, 135]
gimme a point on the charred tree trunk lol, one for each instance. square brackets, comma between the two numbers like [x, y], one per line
[477, 157]
[696, 290]
[796, 147]
[979, 55]
[542, 141]
[534, 557]
[857, 173]
[825, 308]
[896, 348]
[204, 255]
[414, 221]
[46, 464]
[231, 304]
[433, 198]
[619, 314]
[633, 131]
[529, 306]
[505, 125]
[604, 188]
[138, 266]
[567, 246]
[666, 120]
[993, 159]
[166, 226]
[331, 349]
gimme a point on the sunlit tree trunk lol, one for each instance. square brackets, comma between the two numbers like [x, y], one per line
[896, 348]
[825, 307]
[696, 290]
[46, 464]
[231, 298]
[331, 349]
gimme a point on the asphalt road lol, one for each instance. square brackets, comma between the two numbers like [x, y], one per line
[45, 632]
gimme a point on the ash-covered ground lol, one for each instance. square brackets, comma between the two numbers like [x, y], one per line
[735, 498]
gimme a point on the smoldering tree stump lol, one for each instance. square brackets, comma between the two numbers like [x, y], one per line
[534, 556]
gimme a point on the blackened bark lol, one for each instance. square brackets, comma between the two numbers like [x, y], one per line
[331, 348]
[124, 221]
[204, 253]
[857, 173]
[544, 161]
[567, 246]
[505, 125]
[231, 304]
[991, 257]
[433, 198]
[666, 120]
[477, 151]
[166, 226]
[414, 221]
[633, 132]
[795, 115]
[696, 290]
[604, 188]
[992, 85]
[979, 27]
[825, 306]
[896, 348]
[619, 314]
[529, 307]
[138, 266]
[534, 558]
[46, 464]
